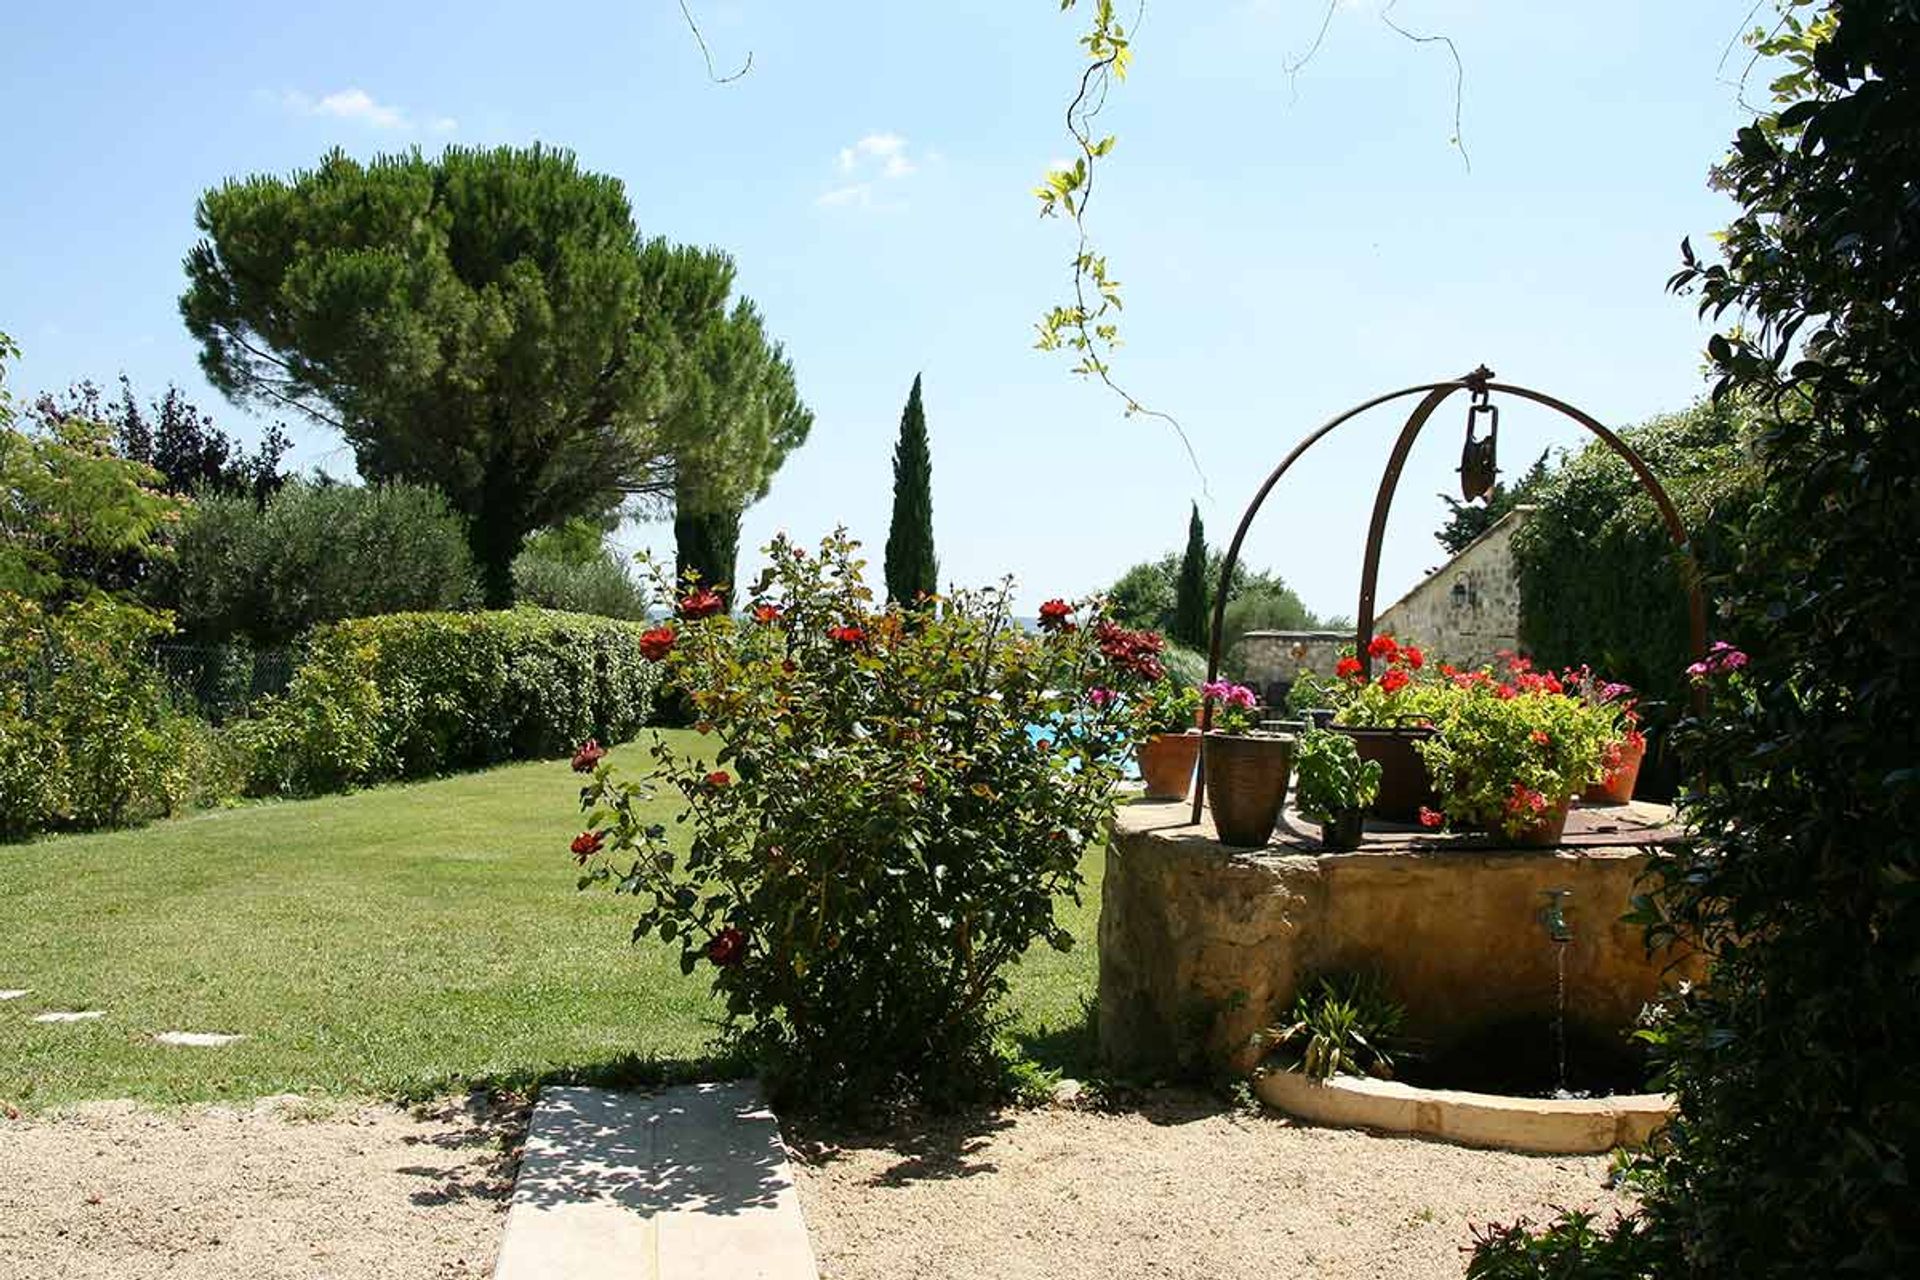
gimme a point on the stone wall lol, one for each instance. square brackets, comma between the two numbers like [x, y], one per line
[1270, 657]
[1202, 946]
[1468, 609]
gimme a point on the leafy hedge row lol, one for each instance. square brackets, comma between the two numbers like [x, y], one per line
[407, 695]
[87, 738]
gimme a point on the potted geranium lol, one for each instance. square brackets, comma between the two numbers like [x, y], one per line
[1627, 748]
[1512, 752]
[1170, 746]
[1335, 786]
[1388, 717]
[1246, 770]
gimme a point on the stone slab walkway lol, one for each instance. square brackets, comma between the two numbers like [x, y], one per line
[687, 1182]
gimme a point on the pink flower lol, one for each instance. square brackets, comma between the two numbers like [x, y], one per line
[1431, 818]
[1100, 697]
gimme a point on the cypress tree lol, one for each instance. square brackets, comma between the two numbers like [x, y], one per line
[1190, 619]
[911, 567]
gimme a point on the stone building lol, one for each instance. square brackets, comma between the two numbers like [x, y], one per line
[1464, 612]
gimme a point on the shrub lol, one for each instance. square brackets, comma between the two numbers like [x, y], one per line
[315, 553]
[597, 584]
[408, 695]
[896, 801]
[86, 736]
[1341, 1024]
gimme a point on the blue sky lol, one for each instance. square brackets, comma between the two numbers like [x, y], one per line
[1289, 245]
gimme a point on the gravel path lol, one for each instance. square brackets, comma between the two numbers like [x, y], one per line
[1175, 1188]
[275, 1191]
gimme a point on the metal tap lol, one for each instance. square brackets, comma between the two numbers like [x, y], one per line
[1553, 916]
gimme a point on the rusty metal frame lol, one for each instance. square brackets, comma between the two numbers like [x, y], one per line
[1433, 394]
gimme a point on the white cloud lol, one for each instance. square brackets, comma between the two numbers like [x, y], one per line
[874, 159]
[357, 105]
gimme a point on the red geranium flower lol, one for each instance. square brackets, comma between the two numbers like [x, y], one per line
[703, 603]
[1054, 615]
[1395, 680]
[1413, 657]
[727, 947]
[1347, 668]
[1431, 818]
[1541, 737]
[657, 643]
[1507, 691]
[586, 844]
[589, 755]
[719, 778]
[1382, 646]
[847, 635]
[766, 613]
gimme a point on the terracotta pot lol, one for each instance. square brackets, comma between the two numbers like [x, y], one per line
[1617, 786]
[1166, 764]
[1404, 785]
[1246, 785]
[1546, 832]
[1342, 830]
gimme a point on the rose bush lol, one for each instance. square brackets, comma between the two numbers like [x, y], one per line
[893, 803]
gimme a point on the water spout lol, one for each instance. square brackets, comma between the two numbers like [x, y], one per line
[1553, 916]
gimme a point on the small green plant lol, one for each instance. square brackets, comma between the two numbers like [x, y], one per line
[1342, 1024]
[1169, 706]
[1332, 776]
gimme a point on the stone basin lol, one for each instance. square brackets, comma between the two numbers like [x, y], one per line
[1202, 946]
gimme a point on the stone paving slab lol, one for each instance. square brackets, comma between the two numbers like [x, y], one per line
[687, 1182]
[83, 1015]
[13, 994]
[195, 1039]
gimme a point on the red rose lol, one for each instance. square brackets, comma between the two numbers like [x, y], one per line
[703, 603]
[1431, 818]
[1347, 668]
[727, 947]
[719, 778]
[589, 755]
[1382, 646]
[766, 613]
[847, 635]
[1055, 615]
[586, 844]
[1412, 656]
[1395, 680]
[657, 643]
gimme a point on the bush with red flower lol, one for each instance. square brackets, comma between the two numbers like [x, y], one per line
[893, 803]
[1513, 746]
[1402, 692]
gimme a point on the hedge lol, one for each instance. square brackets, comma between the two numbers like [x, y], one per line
[87, 736]
[409, 695]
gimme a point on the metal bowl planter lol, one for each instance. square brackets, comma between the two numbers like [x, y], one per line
[1247, 777]
[1477, 472]
[1405, 787]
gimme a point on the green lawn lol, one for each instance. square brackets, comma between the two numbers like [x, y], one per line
[391, 941]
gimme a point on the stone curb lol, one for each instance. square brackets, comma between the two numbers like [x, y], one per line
[1547, 1126]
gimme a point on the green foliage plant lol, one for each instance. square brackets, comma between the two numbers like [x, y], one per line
[314, 553]
[912, 572]
[572, 569]
[411, 695]
[1341, 1024]
[1332, 778]
[87, 737]
[1169, 705]
[894, 802]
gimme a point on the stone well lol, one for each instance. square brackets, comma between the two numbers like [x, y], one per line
[1202, 946]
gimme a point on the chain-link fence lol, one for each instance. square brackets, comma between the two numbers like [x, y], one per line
[223, 680]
